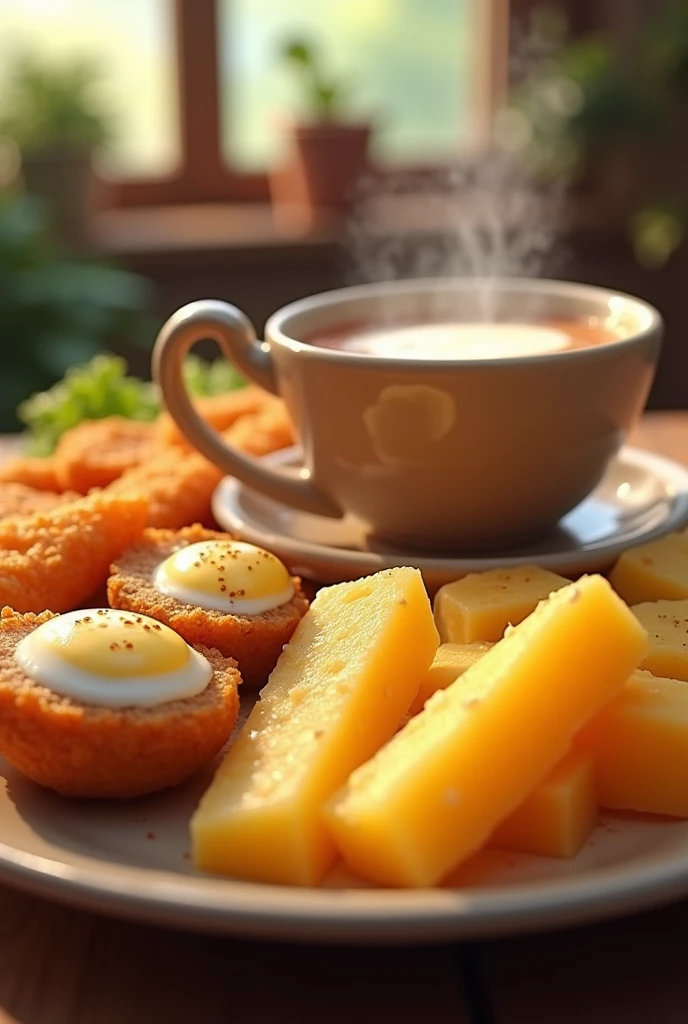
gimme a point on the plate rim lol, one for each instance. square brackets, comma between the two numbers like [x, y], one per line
[340, 916]
[367, 915]
[227, 492]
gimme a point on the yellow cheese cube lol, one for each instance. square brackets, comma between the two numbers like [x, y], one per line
[435, 793]
[450, 662]
[640, 745]
[339, 690]
[560, 813]
[667, 625]
[481, 605]
[658, 569]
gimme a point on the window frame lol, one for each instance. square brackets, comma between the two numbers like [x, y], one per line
[204, 176]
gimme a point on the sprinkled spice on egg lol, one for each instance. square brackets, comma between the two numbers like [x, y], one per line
[116, 715]
[213, 590]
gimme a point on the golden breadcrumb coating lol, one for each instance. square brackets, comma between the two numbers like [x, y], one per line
[96, 452]
[255, 641]
[178, 485]
[86, 750]
[20, 500]
[220, 411]
[267, 430]
[38, 473]
[56, 559]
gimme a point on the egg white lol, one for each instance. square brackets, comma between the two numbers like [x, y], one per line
[219, 602]
[42, 662]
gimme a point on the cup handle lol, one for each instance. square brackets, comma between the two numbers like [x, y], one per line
[234, 334]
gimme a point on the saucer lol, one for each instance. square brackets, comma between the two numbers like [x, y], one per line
[641, 497]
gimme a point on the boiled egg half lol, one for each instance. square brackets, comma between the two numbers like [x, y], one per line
[225, 576]
[113, 658]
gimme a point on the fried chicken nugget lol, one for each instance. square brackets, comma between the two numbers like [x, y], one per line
[96, 452]
[220, 411]
[20, 500]
[57, 559]
[179, 487]
[85, 750]
[40, 474]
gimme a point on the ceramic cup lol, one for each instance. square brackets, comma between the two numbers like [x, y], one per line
[451, 454]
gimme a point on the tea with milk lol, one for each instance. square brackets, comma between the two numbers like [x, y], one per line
[466, 340]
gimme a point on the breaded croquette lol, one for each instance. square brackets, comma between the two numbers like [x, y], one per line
[155, 459]
[255, 641]
[20, 500]
[40, 474]
[57, 559]
[96, 452]
[220, 411]
[178, 485]
[268, 430]
[87, 750]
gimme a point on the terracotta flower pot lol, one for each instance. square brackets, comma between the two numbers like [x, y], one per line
[317, 179]
[66, 181]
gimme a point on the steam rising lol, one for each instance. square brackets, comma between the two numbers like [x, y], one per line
[485, 217]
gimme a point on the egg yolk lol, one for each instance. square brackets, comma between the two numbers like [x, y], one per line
[114, 658]
[118, 644]
[226, 576]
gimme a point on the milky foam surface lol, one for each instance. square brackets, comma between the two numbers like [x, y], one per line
[459, 341]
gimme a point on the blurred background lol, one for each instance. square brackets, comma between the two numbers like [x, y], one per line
[157, 151]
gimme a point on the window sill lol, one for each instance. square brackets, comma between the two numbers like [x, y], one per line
[201, 228]
[216, 231]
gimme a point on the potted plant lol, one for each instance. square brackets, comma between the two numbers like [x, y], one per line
[610, 123]
[326, 153]
[57, 311]
[52, 116]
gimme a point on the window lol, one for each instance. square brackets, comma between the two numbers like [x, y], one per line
[199, 88]
[408, 66]
[131, 45]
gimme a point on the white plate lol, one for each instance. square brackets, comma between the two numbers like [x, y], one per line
[641, 497]
[131, 859]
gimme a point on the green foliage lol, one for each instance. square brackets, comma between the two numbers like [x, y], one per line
[615, 105]
[55, 311]
[582, 101]
[324, 95]
[203, 377]
[53, 107]
[99, 388]
[665, 50]
[578, 102]
[656, 232]
[102, 388]
[58, 317]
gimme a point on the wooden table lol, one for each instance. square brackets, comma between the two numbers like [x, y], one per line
[59, 966]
